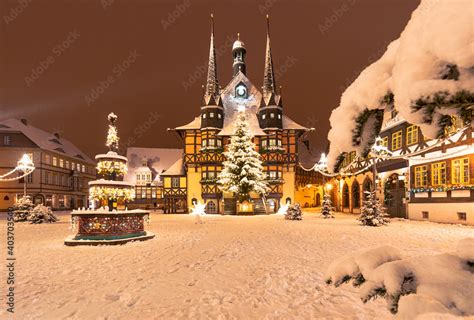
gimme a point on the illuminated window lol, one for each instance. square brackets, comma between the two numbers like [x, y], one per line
[421, 176]
[279, 116]
[211, 115]
[263, 116]
[438, 173]
[219, 115]
[61, 163]
[67, 164]
[460, 171]
[385, 142]
[55, 161]
[204, 116]
[412, 135]
[47, 159]
[272, 115]
[175, 182]
[397, 140]
[457, 124]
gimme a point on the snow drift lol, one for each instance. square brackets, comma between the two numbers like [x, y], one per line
[433, 55]
[438, 284]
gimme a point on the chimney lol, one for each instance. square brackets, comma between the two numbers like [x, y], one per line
[24, 121]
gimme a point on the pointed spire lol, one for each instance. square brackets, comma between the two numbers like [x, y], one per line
[212, 83]
[269, 75]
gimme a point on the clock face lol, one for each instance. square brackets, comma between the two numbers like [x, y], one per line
[241, 91]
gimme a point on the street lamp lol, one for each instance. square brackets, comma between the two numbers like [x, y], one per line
[322, 167]
[25, 165]
[378, 150]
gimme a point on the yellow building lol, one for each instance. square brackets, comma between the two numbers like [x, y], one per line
[276, 137]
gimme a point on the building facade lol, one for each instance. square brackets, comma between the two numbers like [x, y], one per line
[62, 172]
[145, 172]
[423, 179]
[275, 135]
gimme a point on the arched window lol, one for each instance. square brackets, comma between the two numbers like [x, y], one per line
[6, 198]
[288, 200]
[355, 195]
[367, 187]
[345, 196]
[211, 207]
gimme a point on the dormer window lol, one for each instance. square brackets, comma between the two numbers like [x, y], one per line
[219, 115]
[211, 115]
[272, 115]
[204, 116]
[279, 116]
[263, 116]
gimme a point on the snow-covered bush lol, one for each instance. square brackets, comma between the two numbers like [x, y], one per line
[25, 210]
[326, 207]
[372, 213]
[41, 214]
[22, 208]
[294, 212]
[442, 283]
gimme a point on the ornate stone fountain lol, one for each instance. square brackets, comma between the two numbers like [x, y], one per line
[111, 223]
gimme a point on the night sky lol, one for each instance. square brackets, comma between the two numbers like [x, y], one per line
[64, 65]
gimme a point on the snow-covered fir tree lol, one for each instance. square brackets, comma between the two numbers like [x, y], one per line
[372, 213]
[243, 171]
[22, 208]
[326, 207]
[294, 212]
[41, 214]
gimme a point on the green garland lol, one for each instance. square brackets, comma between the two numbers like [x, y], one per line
[442, 188]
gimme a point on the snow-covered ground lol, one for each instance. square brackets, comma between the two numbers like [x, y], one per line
[252, 267]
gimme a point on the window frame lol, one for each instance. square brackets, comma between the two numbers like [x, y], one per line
[397, 137]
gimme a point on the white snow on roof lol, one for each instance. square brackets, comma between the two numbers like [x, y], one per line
[195, 124]
[45, 140]
[177, 169]
[439, 33]
[158, 160]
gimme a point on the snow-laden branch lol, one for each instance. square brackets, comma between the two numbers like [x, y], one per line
[442, 283]
[426, 75]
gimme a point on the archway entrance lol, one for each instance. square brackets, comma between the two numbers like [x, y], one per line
[345, 196]
[318, 199]
[394, 193]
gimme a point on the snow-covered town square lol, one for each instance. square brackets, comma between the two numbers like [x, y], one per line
[229, 267]
[263, 159]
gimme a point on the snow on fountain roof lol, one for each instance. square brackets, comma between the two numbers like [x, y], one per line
[102, 182]
[45, 140]
[110, 155]
[158, 160]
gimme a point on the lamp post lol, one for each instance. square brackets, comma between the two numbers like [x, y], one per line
[322, 166]
[25, 165]
[377, 151]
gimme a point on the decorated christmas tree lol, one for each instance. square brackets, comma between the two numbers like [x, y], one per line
[110, 190]
[327, 208]
[372, 212]
[243, 170]
[294, 212]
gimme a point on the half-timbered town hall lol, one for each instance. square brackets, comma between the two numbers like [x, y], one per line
[206, 137]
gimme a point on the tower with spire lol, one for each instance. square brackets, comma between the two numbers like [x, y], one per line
[270, 112]
[205, 138]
